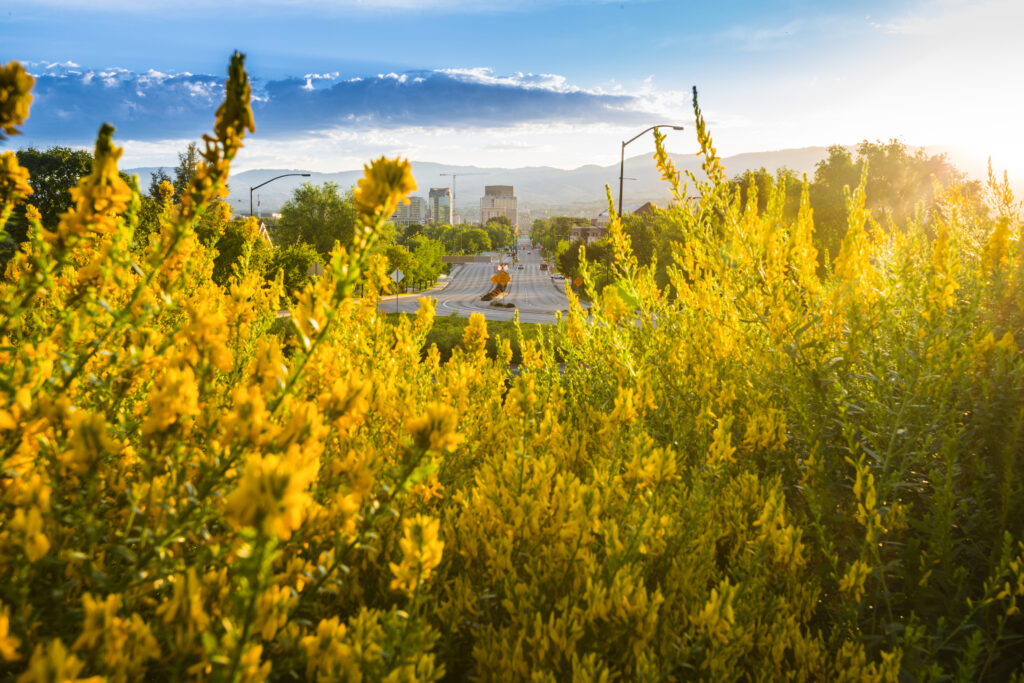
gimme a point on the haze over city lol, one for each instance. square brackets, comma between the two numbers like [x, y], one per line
[541, 83]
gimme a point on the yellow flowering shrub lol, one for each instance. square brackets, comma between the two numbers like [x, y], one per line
[767, 470]
[15, 97]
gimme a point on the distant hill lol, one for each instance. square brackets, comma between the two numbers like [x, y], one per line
[542, 190]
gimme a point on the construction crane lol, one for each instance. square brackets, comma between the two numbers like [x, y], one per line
[453, 177]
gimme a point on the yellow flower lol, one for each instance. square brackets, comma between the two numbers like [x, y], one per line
[436, 428]
[14, 178]
[327, 653]
[249, 419]
[268, 366]
[624, 412]
[997, 250]
[386, 183]
[421, 553]
[251, 668]
[100, 197]
[15, 98]
[766, 429]
[165, 191]
[346, 403]
[172, 398]
[207, 333]
[234, 116]
[35, 543]
[53, 662]
[88, 442]
[474, 338]
[721, 449]
[185, 604]
[852, 582]
[271, 494]
[8, 643]
[717, 616]
[272, 610]
[99, 617]
[614, 307]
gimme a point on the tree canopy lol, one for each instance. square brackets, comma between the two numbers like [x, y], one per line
[54, 172]
[317, 215]
[500, 231]
[898, 182]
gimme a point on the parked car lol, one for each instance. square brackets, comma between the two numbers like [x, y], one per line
[522, 267]
[557, 276]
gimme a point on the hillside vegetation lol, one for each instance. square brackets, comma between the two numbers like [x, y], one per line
[763, 469]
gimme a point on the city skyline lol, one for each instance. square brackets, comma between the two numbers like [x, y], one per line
[541, 83]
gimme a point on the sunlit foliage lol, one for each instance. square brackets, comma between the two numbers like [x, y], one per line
[759, 471]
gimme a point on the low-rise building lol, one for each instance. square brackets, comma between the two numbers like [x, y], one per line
[588, 233]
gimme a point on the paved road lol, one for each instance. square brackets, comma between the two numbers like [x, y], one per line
[532, 290]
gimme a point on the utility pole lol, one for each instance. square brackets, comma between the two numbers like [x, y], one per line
[622, 161]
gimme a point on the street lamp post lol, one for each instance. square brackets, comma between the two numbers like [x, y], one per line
[256, 187]
[622, 162]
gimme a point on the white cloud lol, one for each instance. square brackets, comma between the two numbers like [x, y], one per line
[958, 19]
[486, 76]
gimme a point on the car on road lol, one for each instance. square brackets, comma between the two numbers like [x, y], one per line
[557, 276]
[522, 267]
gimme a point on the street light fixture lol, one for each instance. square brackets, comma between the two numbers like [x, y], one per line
[256, 187]
[622, 163]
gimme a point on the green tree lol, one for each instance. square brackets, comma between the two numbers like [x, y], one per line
[898, 183]
[295, 261]
[832, 174]
[762, 180]
[232, 248]
[155, 179]
[567, 256]
[642, 237]
[317, 215]
[399, 257]
[549, 232]
[426, 258]
[475, 240]
[188, 161]
[560, 248]
[501, 232]
[410, 231]
[899, 180]
[150, 209]
[447, 235]
[54, 172]
[669, 237]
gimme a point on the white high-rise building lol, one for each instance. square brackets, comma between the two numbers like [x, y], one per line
[499, 200]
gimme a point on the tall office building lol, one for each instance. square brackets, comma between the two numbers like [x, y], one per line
[413, 212]
[441, 205]
[499, 200]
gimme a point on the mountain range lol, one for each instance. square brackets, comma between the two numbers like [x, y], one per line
[542, 190]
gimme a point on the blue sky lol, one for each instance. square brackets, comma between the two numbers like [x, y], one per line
[522, 82]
